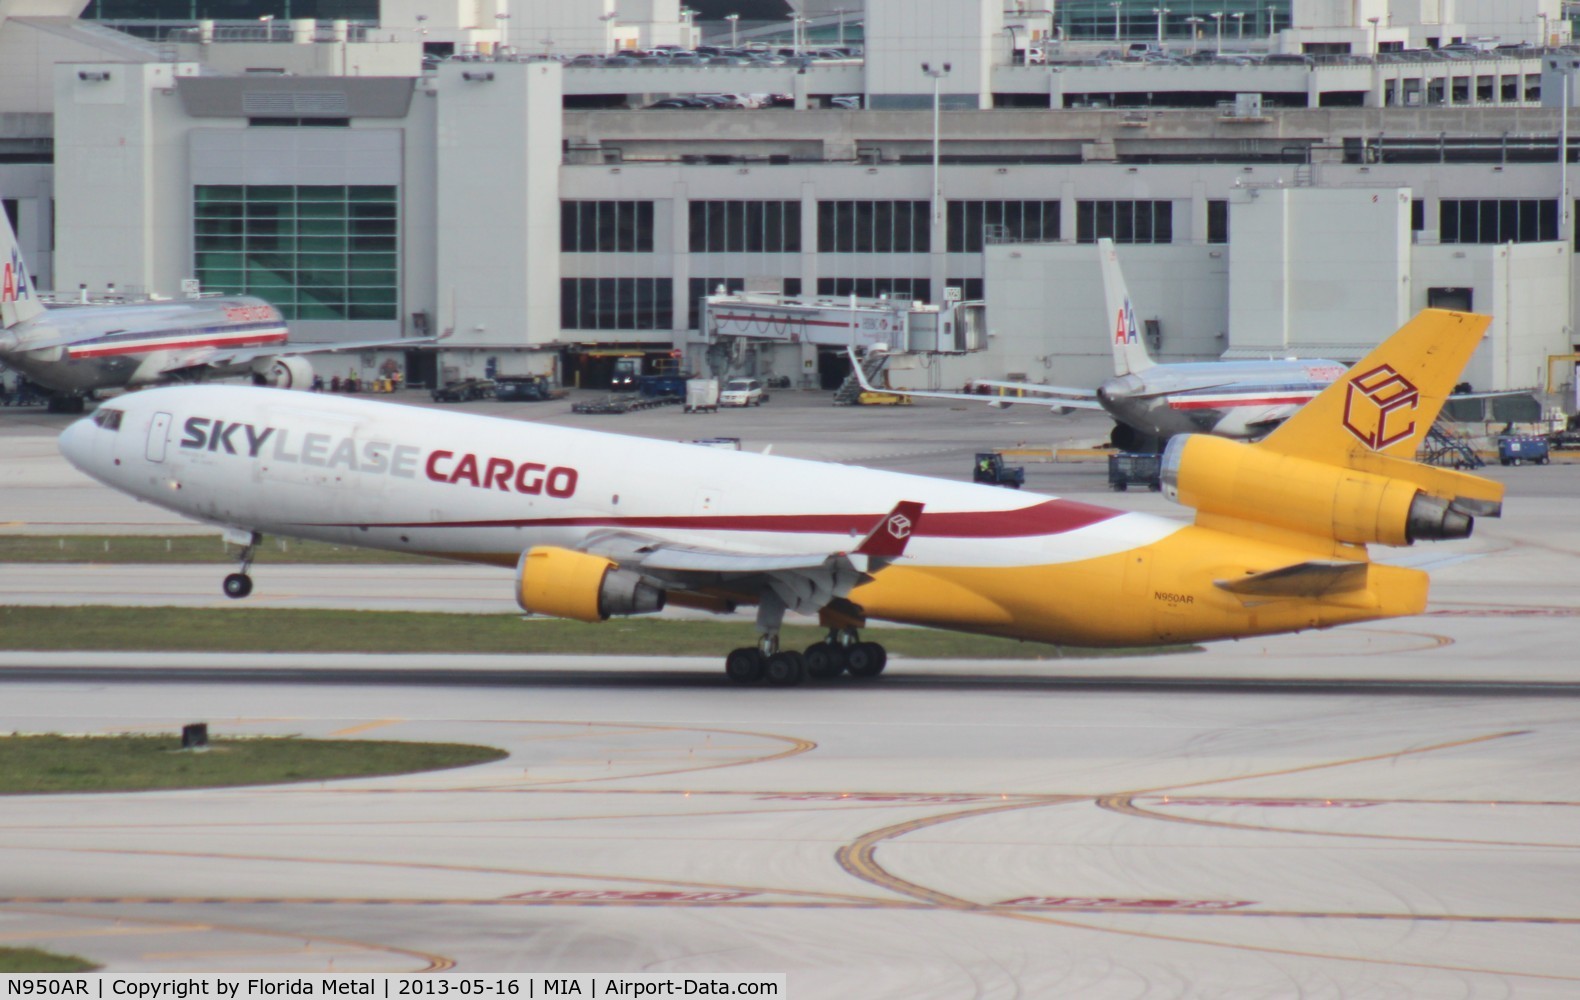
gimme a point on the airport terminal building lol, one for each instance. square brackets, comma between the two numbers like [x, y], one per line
[1302, 203]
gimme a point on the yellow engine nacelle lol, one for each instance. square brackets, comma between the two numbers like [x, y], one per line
[567, 584]
[1252, 483]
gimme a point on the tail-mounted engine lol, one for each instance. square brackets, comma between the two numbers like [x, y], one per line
[1350, 505]
[567, 584]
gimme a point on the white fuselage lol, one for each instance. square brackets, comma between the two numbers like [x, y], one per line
[485, 489]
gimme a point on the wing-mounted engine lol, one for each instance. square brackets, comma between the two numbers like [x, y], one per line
[291, 371]
[567, 584]
[1372, 499]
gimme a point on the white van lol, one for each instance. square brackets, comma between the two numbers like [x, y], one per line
[742, 392]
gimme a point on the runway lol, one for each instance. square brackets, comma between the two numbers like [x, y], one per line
[876, 840]
[1385, 810]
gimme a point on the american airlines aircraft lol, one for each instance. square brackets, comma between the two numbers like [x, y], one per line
[596, 525]
[1151, 402]
[76, 350]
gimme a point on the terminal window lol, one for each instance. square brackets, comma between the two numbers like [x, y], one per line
[974, 223]
[911, 289]
[1124, 221]
[314, 252]
[745, 227]
[617, 304]
[1497, 220]
[874, 227]
[606, 227]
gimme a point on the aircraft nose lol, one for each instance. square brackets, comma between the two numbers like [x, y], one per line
[76, 443]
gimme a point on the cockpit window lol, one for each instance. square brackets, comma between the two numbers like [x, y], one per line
[107, 418]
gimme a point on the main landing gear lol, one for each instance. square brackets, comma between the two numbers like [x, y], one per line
[238, 584]
[842, 651]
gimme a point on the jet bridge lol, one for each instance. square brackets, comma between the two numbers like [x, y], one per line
[768, 335]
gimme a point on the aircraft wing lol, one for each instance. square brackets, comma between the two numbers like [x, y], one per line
[221, 357]
[1057, 396]
[806, 581]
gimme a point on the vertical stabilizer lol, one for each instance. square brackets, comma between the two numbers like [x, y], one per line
[1389, 400]
[1130, 354]
[18, 299]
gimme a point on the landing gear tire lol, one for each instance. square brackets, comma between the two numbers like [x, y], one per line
[866, 659]
[825, 660]
[784, 669]
[238, 585]
[744, 665]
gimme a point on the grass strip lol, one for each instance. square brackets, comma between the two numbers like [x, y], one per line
[35, 765]
[154, 549]
[33, 960]
[284, 630]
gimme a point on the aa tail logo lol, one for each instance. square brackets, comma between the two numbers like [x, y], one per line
[1380, 407]
[13, 279]
[1125, 325]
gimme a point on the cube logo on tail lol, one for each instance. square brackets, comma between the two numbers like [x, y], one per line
[1125, 325]
[888, 537]
[1380, 407]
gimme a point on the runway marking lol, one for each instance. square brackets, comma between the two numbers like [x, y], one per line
[432, 866]
[101, 932]
[1124, 805]
[859, 859]
[1348, 762]
[366, 727]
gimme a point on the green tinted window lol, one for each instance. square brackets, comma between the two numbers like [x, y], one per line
[301, 248]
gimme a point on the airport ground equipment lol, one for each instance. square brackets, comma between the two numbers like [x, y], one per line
[616, 403]
[702, 395]
[464, 390]
[669, 384]
[990, 468]
[1446, 447]
[525, 389]
[1523, 449]
[1129, 468]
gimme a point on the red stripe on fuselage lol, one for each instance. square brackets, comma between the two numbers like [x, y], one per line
[1225, 404]
[251, 338]
[1053, 517]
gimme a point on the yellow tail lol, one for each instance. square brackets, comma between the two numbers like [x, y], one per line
[1341, 471]
[1389, 400]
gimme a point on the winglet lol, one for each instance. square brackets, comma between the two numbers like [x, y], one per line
[1130, 353]
[887, 538]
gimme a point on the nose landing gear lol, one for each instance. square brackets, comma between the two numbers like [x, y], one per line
[238, 585]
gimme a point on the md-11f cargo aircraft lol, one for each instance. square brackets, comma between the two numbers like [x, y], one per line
[1152, 402]
[597, 525]
[75, 350]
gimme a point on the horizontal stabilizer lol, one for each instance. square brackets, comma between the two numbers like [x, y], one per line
[1314, 579]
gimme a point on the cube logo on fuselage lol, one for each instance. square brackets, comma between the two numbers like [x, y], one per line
[331, 451]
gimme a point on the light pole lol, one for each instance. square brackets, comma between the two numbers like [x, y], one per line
[608, 30]
[735, 22]
[841, 12]
[1542, 16]
[1239, 20]
[1272, 21]
[1373, 22]
[1217, 48]
[1117, 5]
[1161, 12]
[267, 20]
[936, 230]
[1195, 31]
[502, 22]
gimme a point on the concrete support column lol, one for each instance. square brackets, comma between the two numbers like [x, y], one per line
[1067, 212]
[809, 255]
[680, 254]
